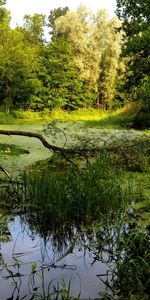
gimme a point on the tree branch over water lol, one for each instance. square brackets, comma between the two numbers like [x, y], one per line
[111, 144]
[46, 143]
[33, 135]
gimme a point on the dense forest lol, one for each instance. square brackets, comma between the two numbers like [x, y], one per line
[90, 60]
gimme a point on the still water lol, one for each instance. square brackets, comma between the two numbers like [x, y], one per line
[31, 264]
[40, 258]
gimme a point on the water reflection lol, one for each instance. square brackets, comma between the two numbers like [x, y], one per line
[61, 245]
[46, 265]
[79, 259]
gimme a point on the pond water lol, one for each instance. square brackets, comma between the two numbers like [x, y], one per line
[56, 260]
[39, 257]
[60, 134]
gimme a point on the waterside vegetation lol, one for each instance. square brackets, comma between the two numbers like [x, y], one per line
[75, 155]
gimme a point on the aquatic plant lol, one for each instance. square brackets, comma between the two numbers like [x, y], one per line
[75, 193]
[128, 250]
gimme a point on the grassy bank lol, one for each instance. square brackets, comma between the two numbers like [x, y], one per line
[122, 117]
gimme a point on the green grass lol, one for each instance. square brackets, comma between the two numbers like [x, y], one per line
[60, 115]
[94, 117]
[121, 118]
[6, 119]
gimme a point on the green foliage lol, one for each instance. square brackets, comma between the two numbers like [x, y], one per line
[54, 14]
[142, 120]
[33, 28]
[81, 65]
[144, 93]
[4, 14]
[64, 87]
[96, 46]
[109, 64]
[2, 2]
[17, 63]
[77, 68]
[127, 245]
[75, 194]
[133, 268]
[120, 118]
[5, 235]
[136, 23]
[5, 118]
[134, 156]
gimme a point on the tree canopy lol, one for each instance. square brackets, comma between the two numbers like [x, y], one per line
[135, 17]
[89, 60]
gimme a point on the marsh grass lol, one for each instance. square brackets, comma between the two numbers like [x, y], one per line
[128, 247]
[133, 262]
[56, 289]
[4, 231]
[57, 192]
[76, 193]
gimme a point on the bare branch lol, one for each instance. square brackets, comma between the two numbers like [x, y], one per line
[34, 135]
[46, 143]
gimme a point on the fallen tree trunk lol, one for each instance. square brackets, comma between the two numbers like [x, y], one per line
[33, 135]
[47, 144]
[62, 150]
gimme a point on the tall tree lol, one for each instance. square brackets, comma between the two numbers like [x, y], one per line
[76, 27]
[135, 17]
[64, 88]
[18, 63]
[4, 13]
[53, 15]
[34, 28]
[97, 49]
[109, 45]
[77, 89]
